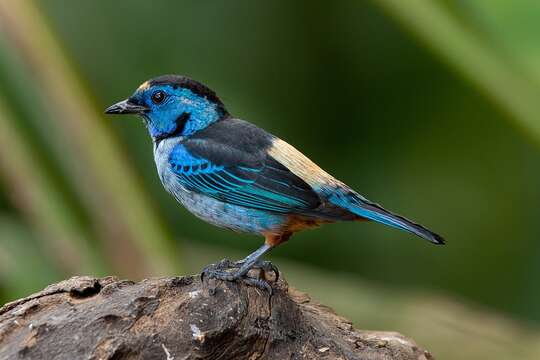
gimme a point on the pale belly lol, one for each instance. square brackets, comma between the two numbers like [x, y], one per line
[213, 211]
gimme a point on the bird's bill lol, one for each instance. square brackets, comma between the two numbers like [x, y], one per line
[126, 107]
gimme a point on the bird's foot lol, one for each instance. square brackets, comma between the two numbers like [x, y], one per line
[222, 266]
[227, 270]
[266, 267]
[220, 270]
[212, 273]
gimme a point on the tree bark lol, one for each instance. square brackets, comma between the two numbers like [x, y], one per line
[183, 318]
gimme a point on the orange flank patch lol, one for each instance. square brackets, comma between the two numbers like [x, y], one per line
[297, 223]
[294, 224]
[275, 239]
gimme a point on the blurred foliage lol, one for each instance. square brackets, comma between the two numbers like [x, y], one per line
[428, 107]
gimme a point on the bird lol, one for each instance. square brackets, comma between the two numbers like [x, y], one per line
[235, 175]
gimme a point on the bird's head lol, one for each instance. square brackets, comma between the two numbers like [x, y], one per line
[172, 105]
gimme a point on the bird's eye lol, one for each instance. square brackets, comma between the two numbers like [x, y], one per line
[158, 97]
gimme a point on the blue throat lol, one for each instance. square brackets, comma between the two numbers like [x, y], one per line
[178, 131]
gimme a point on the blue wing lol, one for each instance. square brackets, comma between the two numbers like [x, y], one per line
[253, 180]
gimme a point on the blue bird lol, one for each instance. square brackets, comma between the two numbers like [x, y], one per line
[236, 175]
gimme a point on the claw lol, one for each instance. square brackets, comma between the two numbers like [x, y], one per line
[226, 270]
[258, 283]
[267, 266]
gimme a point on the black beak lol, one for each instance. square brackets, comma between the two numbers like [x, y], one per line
[126, 107]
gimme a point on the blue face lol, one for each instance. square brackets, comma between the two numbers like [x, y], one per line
[174, 110]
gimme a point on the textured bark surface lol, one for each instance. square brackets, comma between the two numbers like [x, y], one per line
[184, 318]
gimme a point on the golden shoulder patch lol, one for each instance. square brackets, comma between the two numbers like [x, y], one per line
[299, 164]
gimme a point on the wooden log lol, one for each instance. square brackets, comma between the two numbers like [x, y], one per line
[183, 318]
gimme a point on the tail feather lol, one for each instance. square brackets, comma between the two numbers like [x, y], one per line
[364, 208]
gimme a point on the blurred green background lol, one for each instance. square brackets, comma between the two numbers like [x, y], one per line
[431, 108]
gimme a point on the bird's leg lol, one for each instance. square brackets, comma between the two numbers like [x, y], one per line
[252, 260]
[217, 272]
[225, 265]
[264, 265]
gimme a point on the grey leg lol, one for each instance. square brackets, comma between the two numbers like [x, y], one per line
[246, 264]
[251, 260]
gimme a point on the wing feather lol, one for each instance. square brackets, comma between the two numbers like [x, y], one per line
[255, 180]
